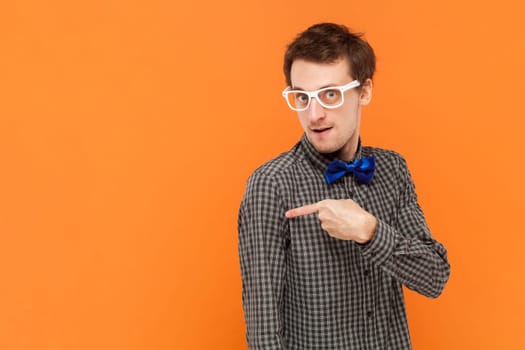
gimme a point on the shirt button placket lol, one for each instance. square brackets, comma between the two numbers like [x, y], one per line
[349, 187]
[369, 303]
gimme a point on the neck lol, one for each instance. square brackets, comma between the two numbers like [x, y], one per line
[348, 152]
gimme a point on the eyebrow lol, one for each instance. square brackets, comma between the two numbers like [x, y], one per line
[322, 87]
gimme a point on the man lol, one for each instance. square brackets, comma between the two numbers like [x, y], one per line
[331, 230]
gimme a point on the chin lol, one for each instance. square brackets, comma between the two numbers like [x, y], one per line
[326, 149]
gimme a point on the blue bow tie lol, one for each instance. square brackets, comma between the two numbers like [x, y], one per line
[362, 169]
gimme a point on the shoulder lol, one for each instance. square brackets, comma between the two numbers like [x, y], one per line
[271, 172]
[389, 163]
[266, 185]
[385, 155]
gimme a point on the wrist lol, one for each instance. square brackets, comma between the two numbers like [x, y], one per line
[369, 230]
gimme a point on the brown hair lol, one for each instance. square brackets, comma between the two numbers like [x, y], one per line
[327, 43]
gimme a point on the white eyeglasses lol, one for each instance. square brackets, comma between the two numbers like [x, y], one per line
[328, 97]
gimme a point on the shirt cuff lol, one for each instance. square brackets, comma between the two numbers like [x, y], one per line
[381, 246]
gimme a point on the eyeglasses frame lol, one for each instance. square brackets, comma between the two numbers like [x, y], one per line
[312, 94]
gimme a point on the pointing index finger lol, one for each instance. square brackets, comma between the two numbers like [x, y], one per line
[301, 211]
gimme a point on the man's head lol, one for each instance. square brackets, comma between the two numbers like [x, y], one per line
[328, 55]
[327, 43]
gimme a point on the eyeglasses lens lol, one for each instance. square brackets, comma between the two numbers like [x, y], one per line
[327, 98]
[330, 97]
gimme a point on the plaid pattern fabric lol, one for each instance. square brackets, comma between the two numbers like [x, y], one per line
[303, 289]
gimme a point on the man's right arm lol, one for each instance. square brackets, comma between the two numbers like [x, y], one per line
[262, 246]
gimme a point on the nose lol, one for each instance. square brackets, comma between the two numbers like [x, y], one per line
[315, 110]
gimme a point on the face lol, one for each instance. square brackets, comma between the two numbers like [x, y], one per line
[331, 130]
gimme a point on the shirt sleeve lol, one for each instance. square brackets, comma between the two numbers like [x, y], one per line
[406, 249]
[262, 246]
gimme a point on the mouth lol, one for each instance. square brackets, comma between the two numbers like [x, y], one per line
[321, 130]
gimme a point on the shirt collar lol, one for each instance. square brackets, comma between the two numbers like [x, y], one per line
[321, 160]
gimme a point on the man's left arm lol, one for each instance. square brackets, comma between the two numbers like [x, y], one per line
[404, 249]
[407, 250]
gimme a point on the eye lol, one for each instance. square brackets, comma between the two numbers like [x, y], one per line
[302, 98]
[331, 94]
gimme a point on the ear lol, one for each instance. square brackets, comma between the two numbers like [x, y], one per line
[365, 95]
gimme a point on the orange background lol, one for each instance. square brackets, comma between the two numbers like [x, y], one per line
[128, 130]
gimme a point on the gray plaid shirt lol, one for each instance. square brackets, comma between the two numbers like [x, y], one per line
[303, 289]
